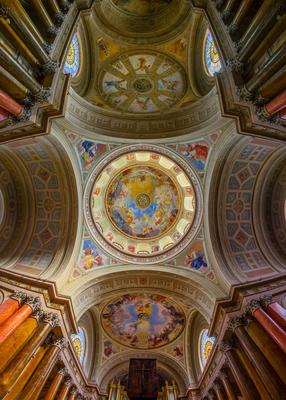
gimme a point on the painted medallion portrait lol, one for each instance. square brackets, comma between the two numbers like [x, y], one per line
[143, 321]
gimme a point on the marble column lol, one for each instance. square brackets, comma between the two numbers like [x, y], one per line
[18, 384]
[34, 387]
[249, 367]
[283, 113]
[258, 24]
[16, 41]
[240, 14]
[227, 385]
[44, 17]
[270, 326]
[240, 375]
[11, 305]
[11, 85]
[24, 24]
[10, 104]
[271, 382]
[23, 76]
[9, 326]
[267, 42]
[273, 106]
[26, 355]
[63, 394]
[55, 384]
[219, 390]
[4, 115]
[268, 347]
[73, 393]
[16, 341]
[273, 64]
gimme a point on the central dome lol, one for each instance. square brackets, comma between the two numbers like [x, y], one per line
[143, 202]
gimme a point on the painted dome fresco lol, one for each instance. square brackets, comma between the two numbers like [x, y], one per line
[142, 83]
[143, 321]
[144, 17]
[143, 204]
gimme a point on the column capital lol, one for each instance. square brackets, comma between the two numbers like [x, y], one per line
[264, 116]
[235, 322]
[223, 374]
[34, 302]
[4, 11]
[62, 371]
[61, 343]
[38, 315]
[52, 319]
[244, 94]
[234, 64]
[68, 381]
[59, 18]
[217, 385]
[252, 306]
[226, 345]
[265, 301]
[73, 390]
[19, 296]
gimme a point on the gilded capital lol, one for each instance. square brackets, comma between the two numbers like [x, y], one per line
[265, 301]
[252, 306]
[19, 296]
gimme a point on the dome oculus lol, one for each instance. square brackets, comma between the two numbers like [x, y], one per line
[143, 204]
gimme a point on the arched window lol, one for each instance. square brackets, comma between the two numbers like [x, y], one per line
[73, 58]
[78, 341]
[205, 347]
[211, 55]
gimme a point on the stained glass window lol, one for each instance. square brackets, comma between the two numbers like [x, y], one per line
[78, 341]
[205, 347]
[212, 57]
[73, 58]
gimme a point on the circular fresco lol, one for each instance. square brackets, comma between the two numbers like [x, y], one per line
[143, 204]
[142, 8]
[143, 321]
[142, 83]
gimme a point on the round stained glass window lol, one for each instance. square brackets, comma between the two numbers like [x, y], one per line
[73, 58]
[212, 57]
[78, 341]
[206, 344]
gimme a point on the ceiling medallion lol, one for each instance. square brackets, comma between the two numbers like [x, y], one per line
[143, 204]
[142, 83]
[143, 320]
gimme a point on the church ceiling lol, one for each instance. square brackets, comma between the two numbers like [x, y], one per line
[94, 254]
